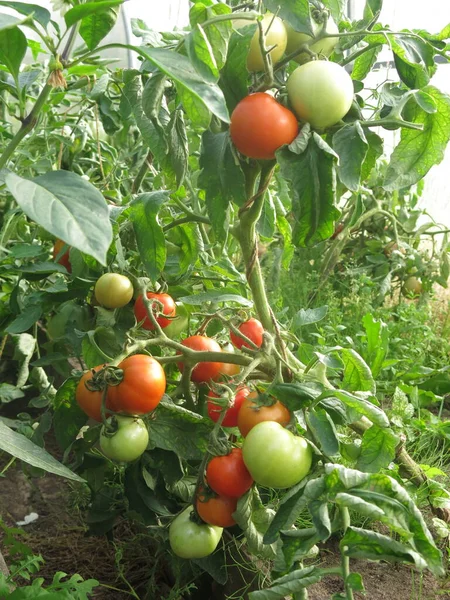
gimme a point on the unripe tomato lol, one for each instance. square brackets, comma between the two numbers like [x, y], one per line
[142, 387]
[64, 258]
[412, 287]
[228, 475]
[90, 402]
[251, 414]
[252, 329]
[260, 125]
[128, 443]
[217, 510]
[204, 371]
[322, 47]
[169, 309]
[231, 416]
[113, 290]
[275, 457]
[321, 92]
[191, 540]
[179, 324]
[276, 35]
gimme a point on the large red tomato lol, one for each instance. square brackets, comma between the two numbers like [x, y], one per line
[253, 330]
[169, 309]
[142, 387]
[228, 475]
[251, 414]
[231, 416]
[217, 510]
[204, 371]
[260, 125]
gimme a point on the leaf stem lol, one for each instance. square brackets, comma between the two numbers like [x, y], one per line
[142, 173]
[346, 559]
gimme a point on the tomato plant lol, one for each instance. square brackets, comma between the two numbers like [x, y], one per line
[168, 308]
[192, 540]
[260, 125]
[275, 457]
[113, 290]
[216, 510]
[203, 371]
[253, 330]
[250, 414]
[231, 416]
[321, 93]
[228, 476]
[142, 386]
[128, 442]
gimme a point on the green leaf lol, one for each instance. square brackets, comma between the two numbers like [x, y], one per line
[357, 374]
[96, 26]
[337, 8]
[39, 13]
[296, 396]
[323, 430]
[351, 145]
[8, 21]
[364, 63]
[217, 34]
[312, 180]
[22, 448]
[267, 220]
[196, 94]
[234, 76]
[67, 206]
[13, 47]
[294, 12]
[215, 296]
[361, 405]
[375, 150]
[377, 449]
[418, 151]
[377, 343]
[309, 316]
[81, 11]
[9, 392]
[221, 178]
[254, 518]
[414, 60]
[68, 418]
[292, 583]
[201, 54]
[149, 234]
[178, 146]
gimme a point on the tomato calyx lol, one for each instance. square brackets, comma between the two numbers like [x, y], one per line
[109, 375]
[263, 399]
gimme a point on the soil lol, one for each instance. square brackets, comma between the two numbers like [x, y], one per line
[59, 535]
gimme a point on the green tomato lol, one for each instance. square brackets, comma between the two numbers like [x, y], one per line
[275, 36]
[191, 540]
[412, 287]
[69, 313]
[113, 290]
[128, 442]
[275, 457]
[179, 324]
[323, 47]
[320, 92]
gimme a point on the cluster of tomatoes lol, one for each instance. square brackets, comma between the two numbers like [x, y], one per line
[320, 92]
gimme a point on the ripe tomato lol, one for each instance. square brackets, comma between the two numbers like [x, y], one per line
[231, 416]
[113, 290]
[252, 329]
[178, 325]
[323, 47]
[229, 369]
[169, 309]
[204, 371]
[228, 475]
[217, 510]
[321, 92]
[251, 414]
[128, 442]
[143, 386]
[276, 35]
[191, 540]
[63, 256]
[90, 402]
[412, 287]
[275, 457]
[260, 125]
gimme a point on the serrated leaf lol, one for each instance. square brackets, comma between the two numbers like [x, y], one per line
[323, 430]
[361, 405]
[377, 449]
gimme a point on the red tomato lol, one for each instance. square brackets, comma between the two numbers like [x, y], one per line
[169, 309]
[217, 510]
[231, 416]
[251, 414]
[252, 329]
[64, 258]
[260, 125]
[228, 475]
[204, 371]
[90, 402]
[143, 386]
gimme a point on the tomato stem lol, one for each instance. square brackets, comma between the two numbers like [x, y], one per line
[346, 559]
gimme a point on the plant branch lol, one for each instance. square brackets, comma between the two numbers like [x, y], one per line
[345, 559]
[142, 173]
[392, 123]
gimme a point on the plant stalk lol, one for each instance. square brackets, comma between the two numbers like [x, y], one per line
[346, 559]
